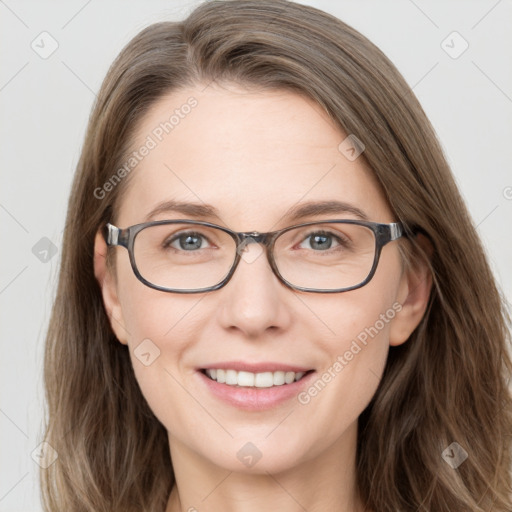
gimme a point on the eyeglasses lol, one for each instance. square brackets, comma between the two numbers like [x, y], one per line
[191, 256]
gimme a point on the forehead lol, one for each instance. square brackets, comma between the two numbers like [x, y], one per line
[252, 155]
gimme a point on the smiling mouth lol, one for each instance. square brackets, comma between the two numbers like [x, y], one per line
[253, 380]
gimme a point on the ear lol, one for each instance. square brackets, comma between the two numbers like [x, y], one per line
[108, 285]
[413, 296]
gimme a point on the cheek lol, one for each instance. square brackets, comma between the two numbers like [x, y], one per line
[358, 322]
[163, 324]
[357, 345]
[148, 313]
[355, 342]
[161, 329]
[348, 379]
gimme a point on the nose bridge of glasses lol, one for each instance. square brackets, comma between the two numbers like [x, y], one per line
[254, 237]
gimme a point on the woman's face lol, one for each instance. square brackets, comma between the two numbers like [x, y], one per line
[253, 156]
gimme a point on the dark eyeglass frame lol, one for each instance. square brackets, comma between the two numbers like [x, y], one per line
[125, 237]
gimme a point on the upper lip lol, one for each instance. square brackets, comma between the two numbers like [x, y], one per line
[269, 366]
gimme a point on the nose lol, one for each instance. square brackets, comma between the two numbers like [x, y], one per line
[254, 300]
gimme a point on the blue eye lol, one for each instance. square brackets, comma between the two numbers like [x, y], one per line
[322, 240]
[186, 241]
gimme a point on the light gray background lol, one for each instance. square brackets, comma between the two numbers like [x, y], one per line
[45, 105]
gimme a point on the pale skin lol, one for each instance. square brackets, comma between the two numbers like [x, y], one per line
[253, 155]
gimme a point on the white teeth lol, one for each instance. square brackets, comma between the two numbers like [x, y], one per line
[231, 377]
[245, 379]
[278, 378]
[258, 380]
[264, 380]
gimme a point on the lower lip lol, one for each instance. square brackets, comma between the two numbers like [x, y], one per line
[255, 399]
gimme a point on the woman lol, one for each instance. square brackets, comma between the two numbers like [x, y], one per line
[271, 293]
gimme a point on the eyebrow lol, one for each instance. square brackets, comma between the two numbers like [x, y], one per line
[316, 208]
[297, 212]
[189, 209]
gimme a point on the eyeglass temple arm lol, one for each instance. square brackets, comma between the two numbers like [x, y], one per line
[110, 234]
[115, 236]
[396, 230]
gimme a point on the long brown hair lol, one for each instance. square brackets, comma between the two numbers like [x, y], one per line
[447, 383]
